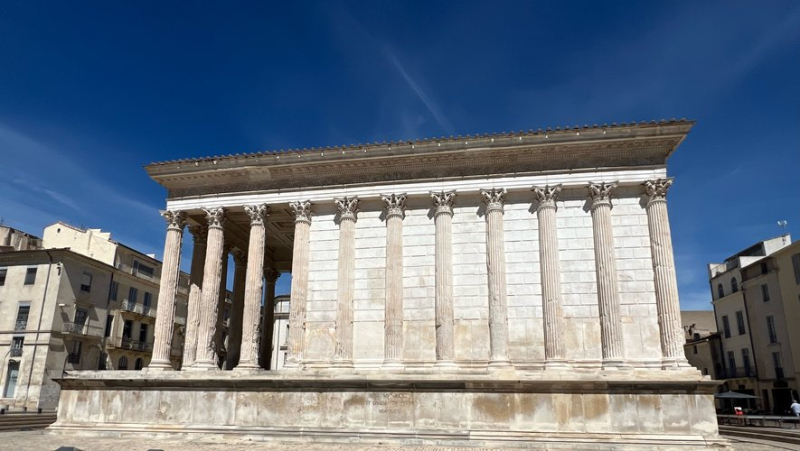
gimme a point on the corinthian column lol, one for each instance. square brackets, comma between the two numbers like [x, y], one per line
[237, 307]
[550, 275]
[206, 356]
[496, 270]
[219, 334]
[666, 283]
[162, 344]
[268, 325]
[251, 319]
[348, 208]
[606, 267]
[443, 220]
[393, 342]
[200, 234]
[297, 305]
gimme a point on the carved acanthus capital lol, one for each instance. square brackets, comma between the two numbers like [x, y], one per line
[215, 217]
[199, 233]
[348, 207]
[547, 196]
[494, 199]
[239, 257]
[258, 213]
[657, 189]
[271, 274]
[302, 211]
[443, 201]
[395, 205]
[175, 219]
[601, 193]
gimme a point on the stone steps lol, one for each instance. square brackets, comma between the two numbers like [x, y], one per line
[19, 421]
[784, 436]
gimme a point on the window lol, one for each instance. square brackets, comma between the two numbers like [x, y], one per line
[764, 268]
[3, 272]
[30, 275]
[776, 361]
[773, 336]
[143, 333]
[16, 346]
[126, 328]
[109, 322]
[80, 316]
[123, 363]
[732, 363]
[86, 282]
[764, 292]
[114, 290]
[795, 265]
[22, 316]
[720, 291]
[75, 352]
[734, 285]
[139, 364]
[140, 268]
[740, 322]
[133, 293]
[146, 302]
[726, 326]
[746, 361]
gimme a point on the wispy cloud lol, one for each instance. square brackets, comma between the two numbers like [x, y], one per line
[420, 93]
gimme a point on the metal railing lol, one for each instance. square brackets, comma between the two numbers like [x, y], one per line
[140, 309]
[134, 345]
[16, 352]
[21, 324]
[731, 373]
[138, 273]
[82, 329]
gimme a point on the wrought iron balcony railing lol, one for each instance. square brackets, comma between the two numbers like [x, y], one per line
[134, 345]
[82, 329]
[732, 373]
[21, 324]
[16, 352]
[140, 309]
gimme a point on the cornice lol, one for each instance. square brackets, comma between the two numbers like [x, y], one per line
[630, 146]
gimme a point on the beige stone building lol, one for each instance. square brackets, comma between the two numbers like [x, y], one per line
[80, 302]
[702, 340]
[476, 290]
[754, 294]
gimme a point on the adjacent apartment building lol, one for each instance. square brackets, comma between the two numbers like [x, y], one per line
[76, 300]
[756, 299]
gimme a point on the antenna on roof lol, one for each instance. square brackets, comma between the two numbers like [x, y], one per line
[782, 224]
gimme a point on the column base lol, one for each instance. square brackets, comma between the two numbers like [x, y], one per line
[615, 364]
[393, 365]
[674, 364]
[203, 366]
[159, 366]
[249, 368]
[555, 364]
[505, 363]
[445, 364]
[342, 364]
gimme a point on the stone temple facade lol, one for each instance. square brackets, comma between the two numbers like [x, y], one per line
[501, 290]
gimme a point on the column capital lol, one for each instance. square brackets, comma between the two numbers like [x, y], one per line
[239, 257]
[494, 199]
[443, 202]
[547, 196]
[175, 219]
[301, 210]
[395, 205]
[601, 192]
[657, 189]
[348, 208]
[258, 213]
[199, 233]
[271, 274]
[215, 217]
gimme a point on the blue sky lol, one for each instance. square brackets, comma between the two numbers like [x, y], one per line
[90, 92]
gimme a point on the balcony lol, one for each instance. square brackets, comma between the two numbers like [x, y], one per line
[133, 345]
[139, 309]
[16, 352]
[738, 372]
[82, 330]
[74, 358]
[21, 324]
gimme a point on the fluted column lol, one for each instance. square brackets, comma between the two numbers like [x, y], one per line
[268, 325]
[348, 208]
[206, 356]
[297, 305]
[496, 270]
[443, 220]
[393, 341]
[251, 319]
[165, 316]
[606, 268]
[550, 275]
[237, 308]
[219, 336]
[666, 282]
[200, 235]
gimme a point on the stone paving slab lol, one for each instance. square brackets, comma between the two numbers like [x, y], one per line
[38, 441]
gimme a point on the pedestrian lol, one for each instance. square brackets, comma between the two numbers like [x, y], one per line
[795, 408]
